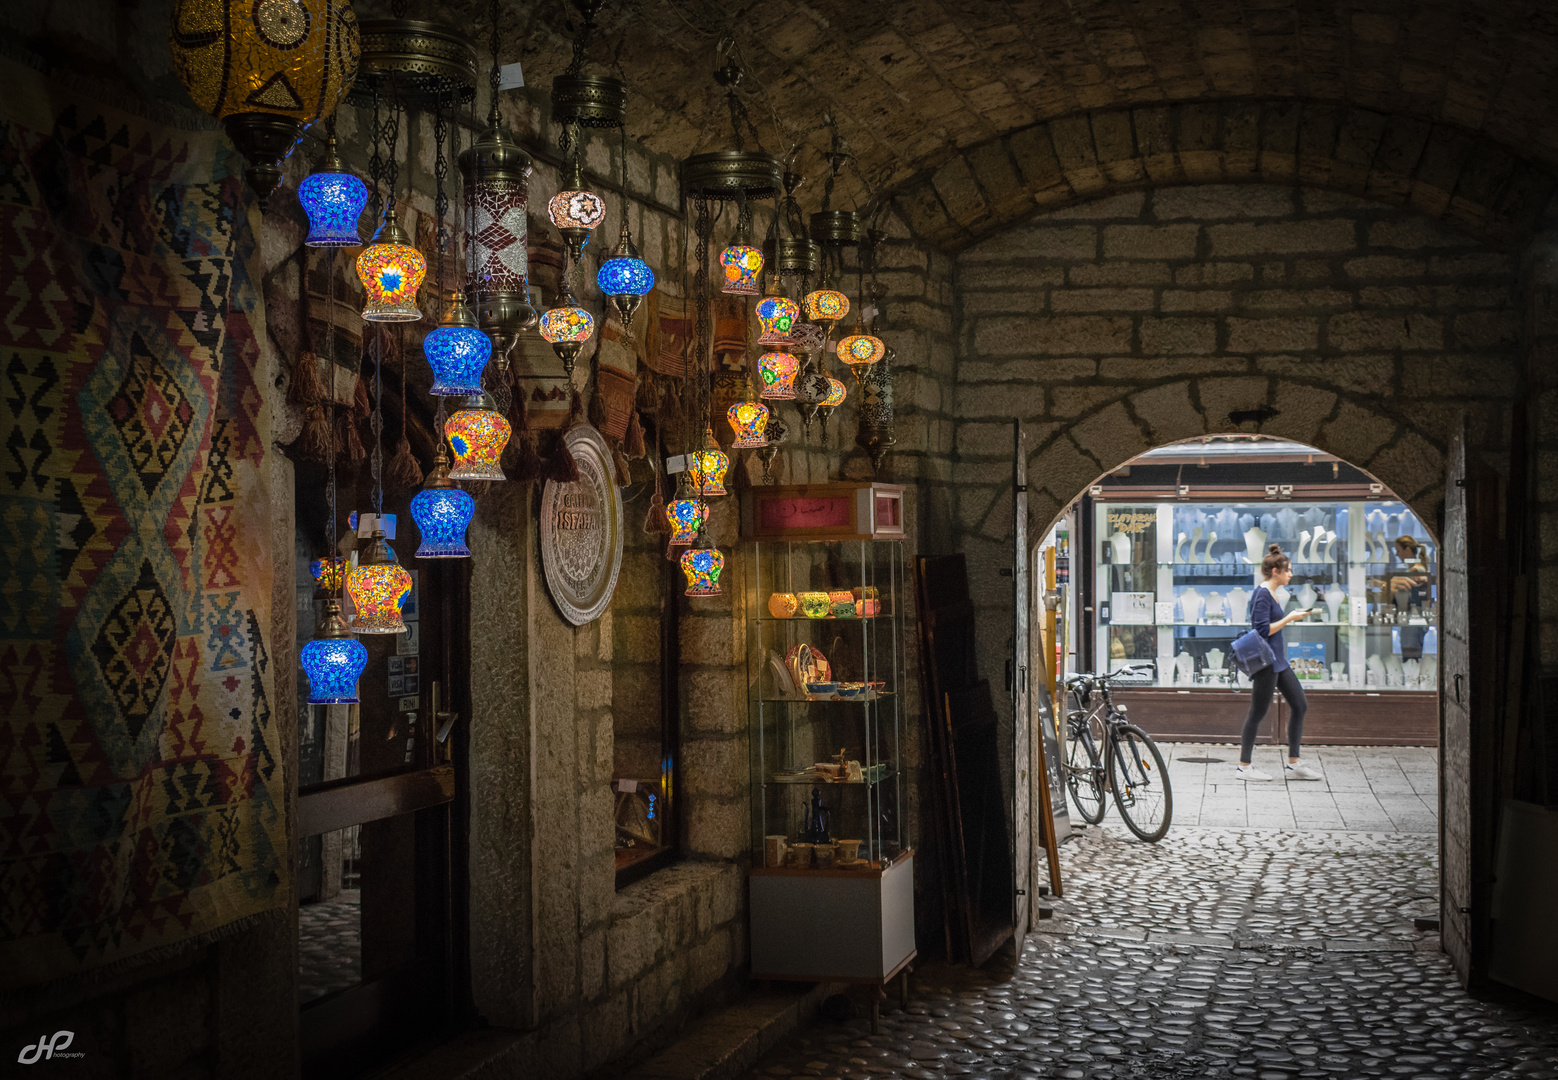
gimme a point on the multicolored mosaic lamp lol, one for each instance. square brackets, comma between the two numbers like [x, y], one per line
[625, 277]
[575, 211]
[457, 351]
[442, 512]
[806, 338]
[497, 171]
[391, 271]
[567, 327]
[742, 264]
[778, 370]
[686, 513]
[711, 464]
[378, 585]
[860, 350]
[836, 394]
[266, 69]
[477, 434]
[702, 566]
[328, 573]
[749, 420]
[826, 306]
[333, 660]
[333, 199]
[777, 314]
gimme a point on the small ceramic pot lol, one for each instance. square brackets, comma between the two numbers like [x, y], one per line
[798, 856]
[842, 609]
[848, 850]
[824, 855]
[783, 605]
[814, 605]
[868, 609]
[867, 592]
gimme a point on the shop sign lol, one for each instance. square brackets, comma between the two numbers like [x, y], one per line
[581, 531]
[1132, 521]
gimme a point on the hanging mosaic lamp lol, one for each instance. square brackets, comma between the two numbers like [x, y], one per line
[778, 370]
[333, 660]
[442, 512]
[265, 68]
[749, 420]
[477, 434]
[860, 350]
[625, 277]
[575, 211]
[686, 513]
[702, 566]
[807, 338]
[711, 464]
[811, 390]
[777, 314]
[567, 327]
[876, 432]
[391, 271]
[836, 394]
[826, 305]
[333, 199]
[497, 194]
[742, 264]
[378, 585]
[328, 573]
[457, 351]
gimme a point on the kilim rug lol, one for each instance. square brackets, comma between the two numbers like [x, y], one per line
[140, 770]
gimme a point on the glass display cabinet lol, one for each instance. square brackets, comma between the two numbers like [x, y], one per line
[832, 884]
[1173, 583]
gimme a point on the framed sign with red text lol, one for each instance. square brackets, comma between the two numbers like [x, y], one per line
[840, 511]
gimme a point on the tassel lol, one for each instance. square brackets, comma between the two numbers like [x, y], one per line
[575, 409]
[597, 411]
[654, 521]
[348, 435]
[303, 387]
[633, 442]
[313, 442]
[404, 471]
[560, 465]
[624, 469]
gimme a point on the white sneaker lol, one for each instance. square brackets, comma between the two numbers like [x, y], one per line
[1301, 772]
[1250, 772]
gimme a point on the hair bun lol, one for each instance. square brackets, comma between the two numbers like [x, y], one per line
[1274, 549]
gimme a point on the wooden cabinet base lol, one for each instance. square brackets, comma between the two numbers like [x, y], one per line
[1334, 717]
[856, 927]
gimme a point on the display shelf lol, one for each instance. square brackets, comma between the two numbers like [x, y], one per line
[881, 776]
[826, 699]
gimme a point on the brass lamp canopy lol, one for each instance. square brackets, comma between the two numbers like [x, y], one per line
[332, 625]
[439, 477]
[792, 255]
[422, 64]
[726, 174]
[264, 140]
[596, 101]
[841, 227]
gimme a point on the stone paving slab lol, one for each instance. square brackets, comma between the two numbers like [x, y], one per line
[1217, 953]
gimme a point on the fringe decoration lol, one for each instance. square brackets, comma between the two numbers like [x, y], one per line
[348, 435]
[313, 442]
[404, 471]
[633, 442]
[624, 469]
[303, 385]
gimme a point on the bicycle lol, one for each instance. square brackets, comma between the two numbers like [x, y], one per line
[1130, 766]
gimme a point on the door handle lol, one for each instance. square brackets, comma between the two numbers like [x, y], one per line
[1458, 678]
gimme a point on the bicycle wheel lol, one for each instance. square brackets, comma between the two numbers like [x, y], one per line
[1084, 772]
[1141, 783]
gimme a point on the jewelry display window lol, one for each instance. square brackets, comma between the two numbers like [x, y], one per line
[1174, 581]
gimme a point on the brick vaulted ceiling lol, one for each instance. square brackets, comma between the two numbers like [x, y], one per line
[924, 89]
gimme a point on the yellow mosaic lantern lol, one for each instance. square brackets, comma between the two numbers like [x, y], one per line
[265, 68]
[749, 420]
[378, 586]
[391, 271]
[477, 434]
[711, 464]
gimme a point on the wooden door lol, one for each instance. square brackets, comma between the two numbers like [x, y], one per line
[1022, 713]
[1468, 675]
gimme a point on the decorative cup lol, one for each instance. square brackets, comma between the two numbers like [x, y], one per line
[824, 855]
[814, 605]
[783, 605]
[868, 609]
[848, 850]
[798, 856]
[774, 850]
[865, 592]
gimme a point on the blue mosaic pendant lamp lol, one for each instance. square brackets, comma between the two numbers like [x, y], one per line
[442, 512]
[333, 660]
[333, 199]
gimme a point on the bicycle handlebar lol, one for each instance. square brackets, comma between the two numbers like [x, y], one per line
[1080, 677]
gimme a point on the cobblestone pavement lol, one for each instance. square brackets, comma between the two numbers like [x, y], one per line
[1369, 788]
[329, 945]
[1217, 953]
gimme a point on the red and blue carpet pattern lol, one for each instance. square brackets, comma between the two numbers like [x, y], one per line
[141, 781]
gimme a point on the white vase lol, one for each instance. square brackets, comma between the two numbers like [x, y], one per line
[1334, 599]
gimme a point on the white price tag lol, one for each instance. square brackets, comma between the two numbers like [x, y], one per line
[510, 77]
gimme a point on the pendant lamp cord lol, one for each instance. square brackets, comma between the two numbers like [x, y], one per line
[333, 553]
[703, 368]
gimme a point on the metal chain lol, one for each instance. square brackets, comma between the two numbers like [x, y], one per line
[376, 421]
[494, 79]
[590, 8]
[440, 175]
[391, 135]
[398, 8]
[330, 416]
[376, 163]
[703, 379]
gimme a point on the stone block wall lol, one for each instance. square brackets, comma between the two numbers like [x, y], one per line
[1140, 319]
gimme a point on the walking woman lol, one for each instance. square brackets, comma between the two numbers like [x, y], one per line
[1267, 618]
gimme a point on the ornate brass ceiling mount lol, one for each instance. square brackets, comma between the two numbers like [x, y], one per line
[422, 64]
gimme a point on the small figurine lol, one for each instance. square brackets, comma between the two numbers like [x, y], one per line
[816, 828]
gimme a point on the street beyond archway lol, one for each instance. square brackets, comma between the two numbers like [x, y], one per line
[1223, 951]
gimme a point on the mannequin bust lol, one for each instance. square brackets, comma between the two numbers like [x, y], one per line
[1334, 599]
[1191, 605]
[1307, 596]
[1179, 547]
[1255, 544]
[1195, 540]
[1338, 671]
[1301, 554]
[1238, 602]
[1376, 675]
[1120, 549]
[1206, 552]
[1214, 661]
[1215, 607]
[1282, 596]
[1184, 669]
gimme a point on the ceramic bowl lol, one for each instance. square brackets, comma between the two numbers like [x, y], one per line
[848, 850]
[822, 688]
[814, 605]
[783, 605]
